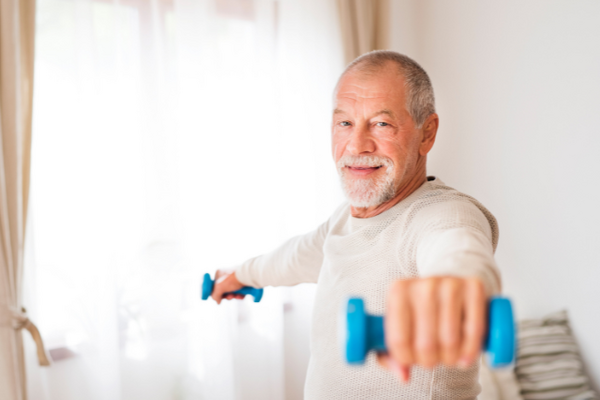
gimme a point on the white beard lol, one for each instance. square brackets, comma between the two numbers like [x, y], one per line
[367, 192]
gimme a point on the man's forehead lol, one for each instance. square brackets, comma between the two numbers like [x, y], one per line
[378, 99]
[369, 87]
[380, 85]
[384, 111]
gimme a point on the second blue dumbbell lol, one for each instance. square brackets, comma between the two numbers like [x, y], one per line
[208, 284]
[365, 332]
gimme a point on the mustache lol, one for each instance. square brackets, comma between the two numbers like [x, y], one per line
[369, 161]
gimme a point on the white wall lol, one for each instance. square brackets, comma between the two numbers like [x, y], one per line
[518, 93]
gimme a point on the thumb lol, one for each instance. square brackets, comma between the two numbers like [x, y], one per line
[402, 371]
[225, 284]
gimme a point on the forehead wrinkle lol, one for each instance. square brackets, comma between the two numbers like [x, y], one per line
[358, 104]
[385, 111]
[357, 100]
[366, 94]
[362, 97]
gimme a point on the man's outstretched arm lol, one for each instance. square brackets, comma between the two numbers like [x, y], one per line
[296, 261]
[440, 317]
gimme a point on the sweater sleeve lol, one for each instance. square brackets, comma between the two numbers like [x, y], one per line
[296, 261]
[459, 245]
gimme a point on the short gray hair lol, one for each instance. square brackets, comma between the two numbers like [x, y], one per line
[420, 101]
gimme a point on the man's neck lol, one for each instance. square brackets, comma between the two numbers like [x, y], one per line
[413, 184]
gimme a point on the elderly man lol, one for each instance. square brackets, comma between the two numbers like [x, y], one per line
[414, 248]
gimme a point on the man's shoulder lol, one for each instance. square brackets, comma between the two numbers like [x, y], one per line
[441, 206]
[436, 194]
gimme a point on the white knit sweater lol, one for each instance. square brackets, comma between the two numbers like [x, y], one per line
[434, 231]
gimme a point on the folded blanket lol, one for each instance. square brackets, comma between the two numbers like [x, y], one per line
[548, 363]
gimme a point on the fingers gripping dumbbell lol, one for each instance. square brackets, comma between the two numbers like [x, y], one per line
[365, 332]
[208, 284]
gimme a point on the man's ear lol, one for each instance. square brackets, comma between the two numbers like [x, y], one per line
[429, 131]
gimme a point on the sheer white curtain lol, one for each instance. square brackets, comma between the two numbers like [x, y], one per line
[171, 138]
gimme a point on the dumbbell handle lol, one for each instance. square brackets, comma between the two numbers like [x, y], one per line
[208, 284]
[366, 332]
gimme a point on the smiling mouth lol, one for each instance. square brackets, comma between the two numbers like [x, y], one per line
[361, 168]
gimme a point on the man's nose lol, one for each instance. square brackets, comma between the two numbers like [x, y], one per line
[361, 141]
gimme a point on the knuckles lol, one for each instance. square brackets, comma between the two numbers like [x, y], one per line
[450, 286]
[426, 348]
[475, 286]
[398, 343]
[450, 341]
[399, 287]
[451, 338]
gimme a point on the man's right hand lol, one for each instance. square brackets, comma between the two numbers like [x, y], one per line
[226, 282]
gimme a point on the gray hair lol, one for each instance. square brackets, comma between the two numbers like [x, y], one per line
[420, 101]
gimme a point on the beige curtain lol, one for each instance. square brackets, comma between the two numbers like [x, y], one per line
[17, 27]
[365, 26]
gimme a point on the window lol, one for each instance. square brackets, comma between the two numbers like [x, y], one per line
[172, 138]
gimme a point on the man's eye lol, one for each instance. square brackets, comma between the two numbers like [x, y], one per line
[345, 123]
[382, 124]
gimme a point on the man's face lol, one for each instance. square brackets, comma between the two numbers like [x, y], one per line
[375, 142]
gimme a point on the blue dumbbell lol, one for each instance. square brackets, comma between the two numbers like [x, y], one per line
[365, 332]
[208, 284]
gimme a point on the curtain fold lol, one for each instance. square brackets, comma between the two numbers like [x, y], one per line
[17, 26]
[364, 26]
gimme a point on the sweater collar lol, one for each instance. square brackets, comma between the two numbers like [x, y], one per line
[357, 223]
